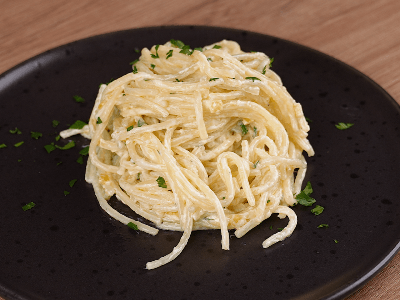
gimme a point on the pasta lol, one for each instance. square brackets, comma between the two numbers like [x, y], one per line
[198, 139]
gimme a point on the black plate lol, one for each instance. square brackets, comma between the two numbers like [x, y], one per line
[66, 247]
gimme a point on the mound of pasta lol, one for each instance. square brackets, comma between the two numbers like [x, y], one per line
[198, 139]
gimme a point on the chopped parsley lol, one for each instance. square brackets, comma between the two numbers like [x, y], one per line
[213, 79]
[57, 138]
[177, 80]
[18, 144]
[99, 121]
[317, 210]
[198, 49]
[255, 166]
[264, 70]
[308, 120]
[138, 176]
[186, 50]
[253, 78]
[15, 131]
[153, 66]
[343, 126]
[304, 198]
[133, 62]
[80, 160]
[132, 226]
[28, 206]
[66, 193]
[50, 148]
[134, 70]
[323, 226]
[77, 125]
[156, 55]
[136, 50]
[244, 129]
[169, 53]
[3, 146]
[36, 135]
[270, 227]
[78, 99]
[177, 43]
[209, 59]
[84, 151]
[217, 47]
[161, 182]
[70, 145]
[59, 163]
[140, 123]
[255, 131]
[111, 80]
[280, 229]
[268, 201]
[72, 182]
[336, 241]
[129, 128]
[271, 60]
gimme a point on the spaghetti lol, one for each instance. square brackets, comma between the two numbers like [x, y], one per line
[198, 139]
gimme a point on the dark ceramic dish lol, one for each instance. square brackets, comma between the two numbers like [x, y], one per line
[66, 247]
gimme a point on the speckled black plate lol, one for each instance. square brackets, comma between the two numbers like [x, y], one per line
[66, 247]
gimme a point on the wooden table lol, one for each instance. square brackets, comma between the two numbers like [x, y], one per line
[363, 33]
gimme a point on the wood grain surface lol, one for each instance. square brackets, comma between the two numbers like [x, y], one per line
[362, 33]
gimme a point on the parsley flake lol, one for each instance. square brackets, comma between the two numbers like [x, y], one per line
[253, 78]
[323, 226]
[36, 135]
[217, 47]
[99, 121]
[244, 129]
[57, 138]
[317, 210]
[264, 70]
[78, 99]
[111, 80]
[28, 206]
[213, 79]
[66, 193]
[255, 131]
[343, 126]
[161, 182]
[198, 49]
[59, 163]
[3, 146]
[134, 70]
[308, 120]
[133, 62]
[72, 182]
[270, 227]
[209, 59]
[80, 160]
[255, 166]
[156, 55]
[136, 50]
[177, 80]
[50, 148]
[15, 131]
[138, 176]
[186, 50]
[271, 60]
[153, 66]
[177, 43]
[132, 226]
[304, 198]
[84, 151]
[129, 128]
[280, 229]
[18, 144]
[77, 125]
[70, 145]
[169, 53]
[336, 241]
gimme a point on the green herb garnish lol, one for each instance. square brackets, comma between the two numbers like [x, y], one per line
[99, 121]
[153, 66]
[66, 193]
[155, 55]
[129, 128]
[213, 79]
[78, 99]
[134, 70]
[57, 138]
[36, 135]
[84, 151]
[264, 70]
[18, 144]
[177, 43]
[28, 206]
[255, 131]
[308, 120]
[343, 126]
[304, 198]
[255, 165]
[244, 129]
[50, 148]
[217, 47]
[323, 226]
[271, 60]
[253, 78]
[70, 145]
[317, 210]
[169, 53]
[55, 123]
[133, 62]
[336, 241]
[80, 160]
[138, 176]
[161, 182]
[209, 59]
[72, 182]
[3, 146]
[15, 131]
[132, 226]
[111, 80]
[77, 125]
